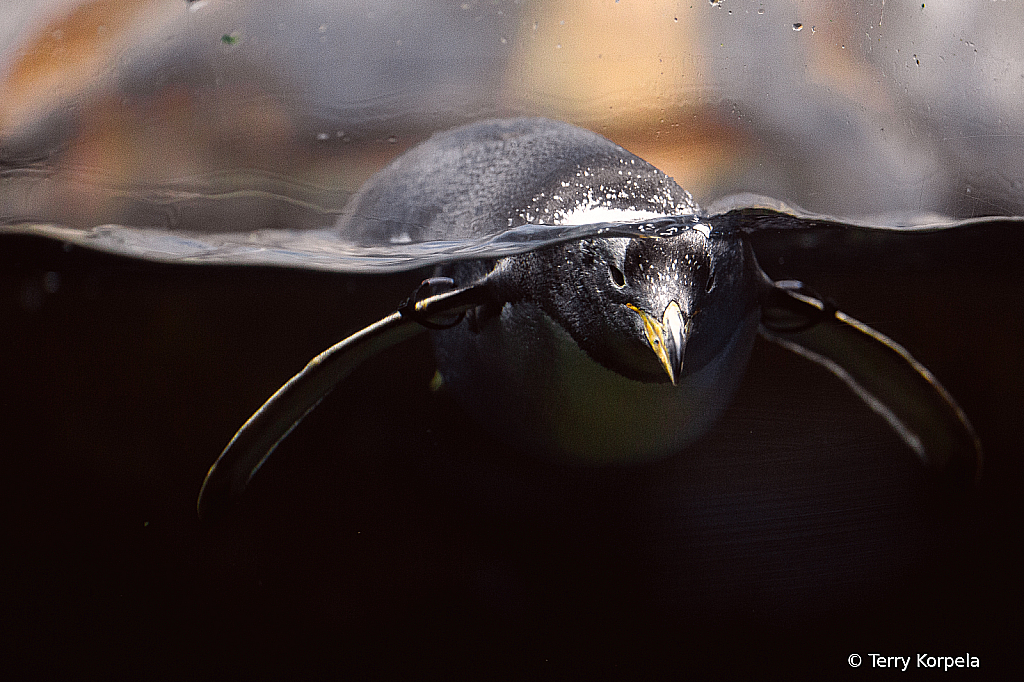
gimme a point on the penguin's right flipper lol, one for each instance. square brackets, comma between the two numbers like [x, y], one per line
[882, 373]
[256, 439]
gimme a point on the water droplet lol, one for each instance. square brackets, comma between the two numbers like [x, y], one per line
[798, 26]
[715, 3]
[760, 10]
[323, 136]
[392, 139]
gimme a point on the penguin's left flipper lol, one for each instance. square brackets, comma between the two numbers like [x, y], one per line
[255, 441]
[882, 373]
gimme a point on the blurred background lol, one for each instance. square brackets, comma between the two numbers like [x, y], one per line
[846, 109]
[391, 533]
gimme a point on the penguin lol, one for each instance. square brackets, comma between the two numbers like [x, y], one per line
[618, 348]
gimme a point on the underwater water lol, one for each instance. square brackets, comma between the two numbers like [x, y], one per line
[390, 531]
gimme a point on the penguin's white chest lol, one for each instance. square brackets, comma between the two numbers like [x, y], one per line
[525, 378]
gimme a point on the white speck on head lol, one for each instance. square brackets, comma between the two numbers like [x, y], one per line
[583, 215]
[402, 238]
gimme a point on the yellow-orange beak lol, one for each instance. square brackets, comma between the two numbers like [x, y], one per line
[666, 337]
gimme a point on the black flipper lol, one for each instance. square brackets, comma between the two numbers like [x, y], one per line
[882, 373]
[256, 440]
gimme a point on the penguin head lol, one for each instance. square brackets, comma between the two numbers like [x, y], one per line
[651, 309]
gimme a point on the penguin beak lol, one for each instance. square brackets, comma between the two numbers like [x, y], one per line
[666, 337]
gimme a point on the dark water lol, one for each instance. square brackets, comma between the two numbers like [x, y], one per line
[390, 534]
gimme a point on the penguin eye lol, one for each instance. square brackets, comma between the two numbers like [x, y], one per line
[618, 279]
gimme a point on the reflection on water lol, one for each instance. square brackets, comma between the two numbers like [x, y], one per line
[329, 249]
[175, 235]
